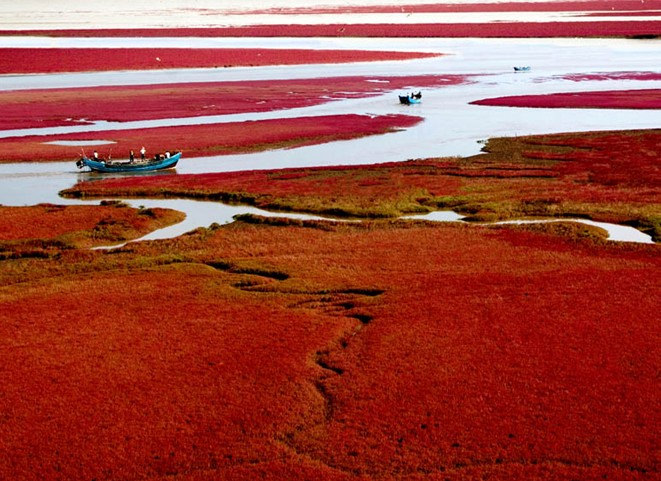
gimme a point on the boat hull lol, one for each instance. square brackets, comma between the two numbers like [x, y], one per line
[408, 100]
[98, 166]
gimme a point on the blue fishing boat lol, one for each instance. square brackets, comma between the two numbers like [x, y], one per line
[107, 166]
[522, 69]
[411, 98]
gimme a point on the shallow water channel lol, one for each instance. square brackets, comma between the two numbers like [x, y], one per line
[451, 126]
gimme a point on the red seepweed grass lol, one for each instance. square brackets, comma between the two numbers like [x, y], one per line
[312, 350]
[609, 176]
[470, 7]
[614, 99]
[52, 60]
[79, 225]
[53, 107]
[209, 139]
[614, 28]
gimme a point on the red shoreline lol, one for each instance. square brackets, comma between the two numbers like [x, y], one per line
[540, 6]
[612, 99]
[78, 225]
[207, 139]
[54, 107]
[458, 30]
[42, 60]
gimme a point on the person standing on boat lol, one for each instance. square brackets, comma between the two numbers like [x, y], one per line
[131, 157]
[143, 151]
[96, 155]
[167, 154]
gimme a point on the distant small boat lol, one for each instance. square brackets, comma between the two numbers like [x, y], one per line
[127, 166]
[415, 98]
[522, 69]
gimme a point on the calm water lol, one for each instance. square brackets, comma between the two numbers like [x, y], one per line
[451, 126]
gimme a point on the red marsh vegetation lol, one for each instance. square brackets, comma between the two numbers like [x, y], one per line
[46, 225]
[289, 350]
[615, 28]
[50, 60]
[55, 107]
[208, 139]
[612, 99]
[609, 176]
[613, 6]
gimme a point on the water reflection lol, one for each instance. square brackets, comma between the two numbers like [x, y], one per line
[88, 176]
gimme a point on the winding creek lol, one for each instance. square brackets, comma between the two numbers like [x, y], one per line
[451, 127]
